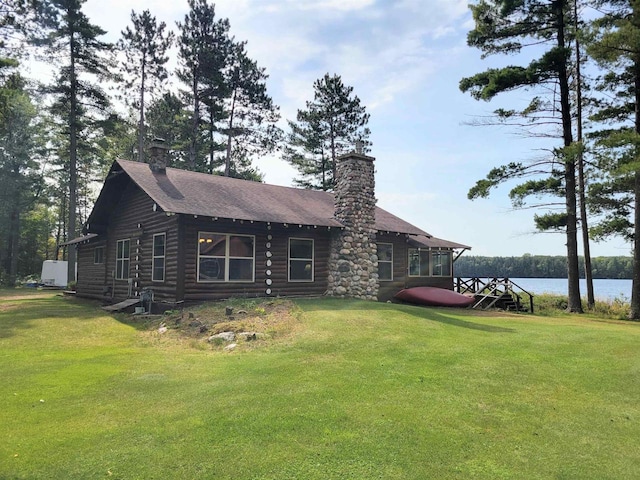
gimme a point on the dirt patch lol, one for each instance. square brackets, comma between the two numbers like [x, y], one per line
[252, 321]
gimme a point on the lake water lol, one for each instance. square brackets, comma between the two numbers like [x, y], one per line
[604, 288]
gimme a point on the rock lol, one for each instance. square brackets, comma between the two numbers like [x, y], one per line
[231, 346]
[225, 336]
[162, 329]
[248, 336]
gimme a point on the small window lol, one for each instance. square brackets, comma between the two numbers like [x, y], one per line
[226, 258]
[159, 242]
[122, 259]
[98, 255]
[441, 263]
[385, 261]
[418, 262]
[300, 260]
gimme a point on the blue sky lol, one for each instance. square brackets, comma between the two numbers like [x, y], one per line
[404, 59]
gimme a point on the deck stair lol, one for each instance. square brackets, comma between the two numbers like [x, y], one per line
[495, 292]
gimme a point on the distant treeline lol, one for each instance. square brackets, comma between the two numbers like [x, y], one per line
[539, 266]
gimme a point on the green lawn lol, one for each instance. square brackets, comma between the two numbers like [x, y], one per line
[359, 391]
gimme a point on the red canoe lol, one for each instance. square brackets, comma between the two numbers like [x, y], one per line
[434, 296]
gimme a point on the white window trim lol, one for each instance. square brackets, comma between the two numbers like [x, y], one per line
[163, 256]
[227, 257]
[386, 261]
[432, 263]
[124, 277]
[419, 250]
[313, 260]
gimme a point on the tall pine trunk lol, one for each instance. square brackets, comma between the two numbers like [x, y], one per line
[227, 164]
[635, 286]
[141, 132]
[573, 271]
[73, 163]
[588, 273]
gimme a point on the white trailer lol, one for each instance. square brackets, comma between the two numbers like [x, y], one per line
[54, 273]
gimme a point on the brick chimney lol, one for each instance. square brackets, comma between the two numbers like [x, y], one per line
[353, 261]
[158, 156]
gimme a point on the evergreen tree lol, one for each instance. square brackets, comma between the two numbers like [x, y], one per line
[506, 27]
[616, 48]
[145, 46]
[251, 114]
[329, 127]
[73, 44]
[20, 179]
[168, 119]
[203, 49]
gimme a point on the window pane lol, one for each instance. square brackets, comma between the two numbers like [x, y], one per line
[414, 262]
[300, 248]
[158, 269]
[442, 264]
[385, 252]
[158, 246]
[212, 245]
[211, 269]
[125, 249]
[119, 249]
[241, 246]
[300, 270]
[384, 270]
[240, 269]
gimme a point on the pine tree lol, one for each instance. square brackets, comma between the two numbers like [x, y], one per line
[329, 127]
[203, 49]
[616, 48]
[251, 114]
[506, 27]
[20, 179]
[145, 46]
[73, 44]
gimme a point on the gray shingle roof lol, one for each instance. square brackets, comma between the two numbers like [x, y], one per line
[193, 193]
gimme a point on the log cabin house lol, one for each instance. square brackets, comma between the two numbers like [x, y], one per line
[192, 236]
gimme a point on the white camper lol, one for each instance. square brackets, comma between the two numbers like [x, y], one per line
[54, 273]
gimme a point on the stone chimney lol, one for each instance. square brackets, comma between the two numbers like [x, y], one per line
[353, 261]
[158, 156]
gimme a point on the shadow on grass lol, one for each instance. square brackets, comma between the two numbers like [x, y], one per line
[437, 316]
[434, 314]
[23, 314]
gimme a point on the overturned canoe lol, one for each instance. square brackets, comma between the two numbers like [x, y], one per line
[434, 296]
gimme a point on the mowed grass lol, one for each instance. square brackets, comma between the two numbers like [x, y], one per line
[359, 390]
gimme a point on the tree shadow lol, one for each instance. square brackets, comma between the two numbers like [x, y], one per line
[440, 317]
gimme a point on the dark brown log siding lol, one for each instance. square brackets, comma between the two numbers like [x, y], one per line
[134, 219]
[91, 276]
[278, 248]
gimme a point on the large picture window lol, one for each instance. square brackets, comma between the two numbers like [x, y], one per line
[385, 261]
[225, 258]
[418, 262]
[300, 260]
[122, 259]
[441, 263]
[159, 245]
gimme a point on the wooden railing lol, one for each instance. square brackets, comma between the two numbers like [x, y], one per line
[490, 292]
